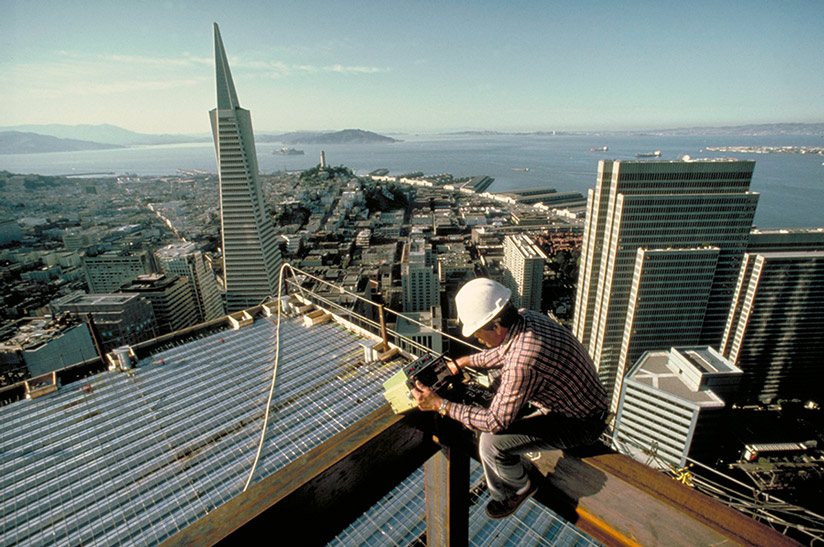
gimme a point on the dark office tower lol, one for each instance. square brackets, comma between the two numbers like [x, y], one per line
[171, 298]
[691, 217]
[251, 258]
[184, 259]
[775, 328]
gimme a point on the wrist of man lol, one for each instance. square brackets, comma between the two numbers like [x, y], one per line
[444, 407]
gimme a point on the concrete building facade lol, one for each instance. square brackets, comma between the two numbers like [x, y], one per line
[419, 282]
[44, 345]
[121, 319]
[524, 271]
[183, 259]
[429, 336]
[670, 405]
[171, 299]
[107, 272]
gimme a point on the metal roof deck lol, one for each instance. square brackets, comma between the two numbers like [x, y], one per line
[135, 457]
[400, 519]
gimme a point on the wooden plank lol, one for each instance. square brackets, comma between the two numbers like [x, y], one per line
[733, 524]
[317, 495]
[447, 498]
[621, 502]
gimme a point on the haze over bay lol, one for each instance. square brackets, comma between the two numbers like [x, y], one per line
[791, 186]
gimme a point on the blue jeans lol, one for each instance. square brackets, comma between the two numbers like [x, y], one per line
[506, 472]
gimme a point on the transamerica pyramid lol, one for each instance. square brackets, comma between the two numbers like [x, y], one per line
[251, 258]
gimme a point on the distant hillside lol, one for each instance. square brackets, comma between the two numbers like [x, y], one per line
[347, 136]
[18, 142]
[293, 137]
[752, 130]
[765, 129]
[103, 133]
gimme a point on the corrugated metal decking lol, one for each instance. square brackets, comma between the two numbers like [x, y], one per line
[399, 519]
[134, 458]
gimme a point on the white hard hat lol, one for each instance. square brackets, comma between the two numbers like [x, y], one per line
[478, 302]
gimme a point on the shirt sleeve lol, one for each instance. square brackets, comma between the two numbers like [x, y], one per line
[518, 383]
[489, 358]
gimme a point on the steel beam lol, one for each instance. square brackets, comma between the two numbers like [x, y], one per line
[447, 498]
[620, 501]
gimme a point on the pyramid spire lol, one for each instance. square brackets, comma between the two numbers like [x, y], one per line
[251, 257]
[226, 94]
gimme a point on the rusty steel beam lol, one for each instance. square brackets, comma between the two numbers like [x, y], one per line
[447, 498]
[733, 524]
[313, 498]
[619, 501]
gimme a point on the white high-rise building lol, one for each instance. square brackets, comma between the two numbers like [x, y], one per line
[185, 260]
[251, 258]
[419, 283]
[670, 405]
[107, 272]
[660, 205]
[524, 271]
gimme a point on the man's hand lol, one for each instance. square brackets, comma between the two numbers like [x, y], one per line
[425, 397]
[455, 365]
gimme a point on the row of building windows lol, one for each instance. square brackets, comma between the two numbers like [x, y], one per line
[722, 176]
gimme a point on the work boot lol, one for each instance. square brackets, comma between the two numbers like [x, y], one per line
[498, 509]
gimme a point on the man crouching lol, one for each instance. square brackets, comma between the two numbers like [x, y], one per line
[549, 396]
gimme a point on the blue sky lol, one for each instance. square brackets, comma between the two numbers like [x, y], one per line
[415, 66]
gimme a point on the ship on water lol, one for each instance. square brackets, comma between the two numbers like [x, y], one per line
[286, 151]
[656, 154]
[599, 149]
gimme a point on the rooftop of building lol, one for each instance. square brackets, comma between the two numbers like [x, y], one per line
[98, 299]
[36, 331]
[660, 370]
[149, 283]
[526, 246]
[176, 250]
[396, 519]
[707, 360]
[685, 160]
[787, 231]
[132, 457]
[160, 452]
[802, 254]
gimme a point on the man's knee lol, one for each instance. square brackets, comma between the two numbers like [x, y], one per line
[485, 444]
[492, 447]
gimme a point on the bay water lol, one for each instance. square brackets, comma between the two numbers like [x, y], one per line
[791, 185]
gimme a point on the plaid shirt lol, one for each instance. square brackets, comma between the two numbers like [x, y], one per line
[542, 363]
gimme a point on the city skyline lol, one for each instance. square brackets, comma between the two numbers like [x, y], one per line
[417, 68]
